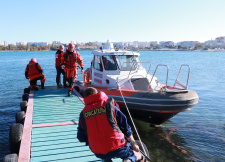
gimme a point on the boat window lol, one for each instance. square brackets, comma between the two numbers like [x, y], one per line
[97, 63]
[109, 62]
[125, 62]
[138, 63]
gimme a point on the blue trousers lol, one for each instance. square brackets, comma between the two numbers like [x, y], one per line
[124, 153]
[60, 71]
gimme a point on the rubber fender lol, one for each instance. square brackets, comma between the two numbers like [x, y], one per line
[26, 90]
[25, 97]
[10, 158]
[23, 106]
[20, 117]
[15, 135]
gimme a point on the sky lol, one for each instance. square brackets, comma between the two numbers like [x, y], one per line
[117, 20]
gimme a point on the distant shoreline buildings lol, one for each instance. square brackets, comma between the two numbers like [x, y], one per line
[218, 43]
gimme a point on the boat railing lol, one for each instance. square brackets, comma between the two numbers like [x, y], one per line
[155, 72]
[179, 82]
[137, 68]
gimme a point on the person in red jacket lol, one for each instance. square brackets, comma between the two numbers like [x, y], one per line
[104, 127]
[33, 72]
[58, 56]
[70, 61]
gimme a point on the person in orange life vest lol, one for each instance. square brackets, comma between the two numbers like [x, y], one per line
[104, 127]
[70, 61]
[59, 70]
[33, 72]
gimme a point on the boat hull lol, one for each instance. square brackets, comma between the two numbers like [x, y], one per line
[148, 116]
[153, 107]
[156, 107]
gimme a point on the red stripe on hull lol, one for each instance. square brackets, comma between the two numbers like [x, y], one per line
[114, 92]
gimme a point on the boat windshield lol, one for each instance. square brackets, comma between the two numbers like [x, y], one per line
[126, 62]
[109, 62]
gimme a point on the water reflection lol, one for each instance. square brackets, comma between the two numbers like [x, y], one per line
[180, 141]
[164, 143]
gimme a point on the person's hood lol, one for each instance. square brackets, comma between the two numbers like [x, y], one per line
[100, 96]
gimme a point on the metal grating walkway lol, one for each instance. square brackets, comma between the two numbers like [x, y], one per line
[54, 106]
[51, 141]
[59, 143]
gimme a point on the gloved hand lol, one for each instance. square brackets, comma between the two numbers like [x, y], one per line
[63, 66]
[134, 146]
[41, 71]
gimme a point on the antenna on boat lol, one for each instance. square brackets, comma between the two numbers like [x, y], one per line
[145, 154]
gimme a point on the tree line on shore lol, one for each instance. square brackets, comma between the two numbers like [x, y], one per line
[198, 46]
[12, 47]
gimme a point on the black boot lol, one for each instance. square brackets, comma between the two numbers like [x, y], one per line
[69, 93]
[35, 87]
[42, 86]
[108, 160]
[59, 86]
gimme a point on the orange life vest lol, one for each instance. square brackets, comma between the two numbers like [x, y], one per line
[32, 69]
[104, 135]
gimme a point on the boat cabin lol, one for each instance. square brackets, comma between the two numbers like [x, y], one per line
[111, 67]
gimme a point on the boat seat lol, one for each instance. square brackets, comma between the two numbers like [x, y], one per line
[140, 83]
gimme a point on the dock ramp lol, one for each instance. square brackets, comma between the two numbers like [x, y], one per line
[50, 128]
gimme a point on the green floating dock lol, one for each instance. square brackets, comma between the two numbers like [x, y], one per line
[54, 106]
[51, 142]
[59, 143]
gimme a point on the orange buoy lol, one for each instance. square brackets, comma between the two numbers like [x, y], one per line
[86, 77]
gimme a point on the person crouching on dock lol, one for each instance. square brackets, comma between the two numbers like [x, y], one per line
[70, 61]
[104, 127]
[33, 72]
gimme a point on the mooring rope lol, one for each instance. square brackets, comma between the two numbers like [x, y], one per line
[131, 117]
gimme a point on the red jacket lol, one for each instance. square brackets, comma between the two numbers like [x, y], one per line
[103, 132]
[72, 59]
[58, 57]
[33, 70]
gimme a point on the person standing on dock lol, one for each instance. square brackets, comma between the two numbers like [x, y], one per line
[59, 54]
[104, 127]
[70, 62]
[33, 72]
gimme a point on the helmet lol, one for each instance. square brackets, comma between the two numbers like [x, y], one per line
[71, 45]
[61, 46]
[33, 60]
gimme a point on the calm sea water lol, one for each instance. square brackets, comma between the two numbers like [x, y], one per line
[195, 135]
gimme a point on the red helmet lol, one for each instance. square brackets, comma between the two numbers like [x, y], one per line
[71, 45]
[33, 60]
